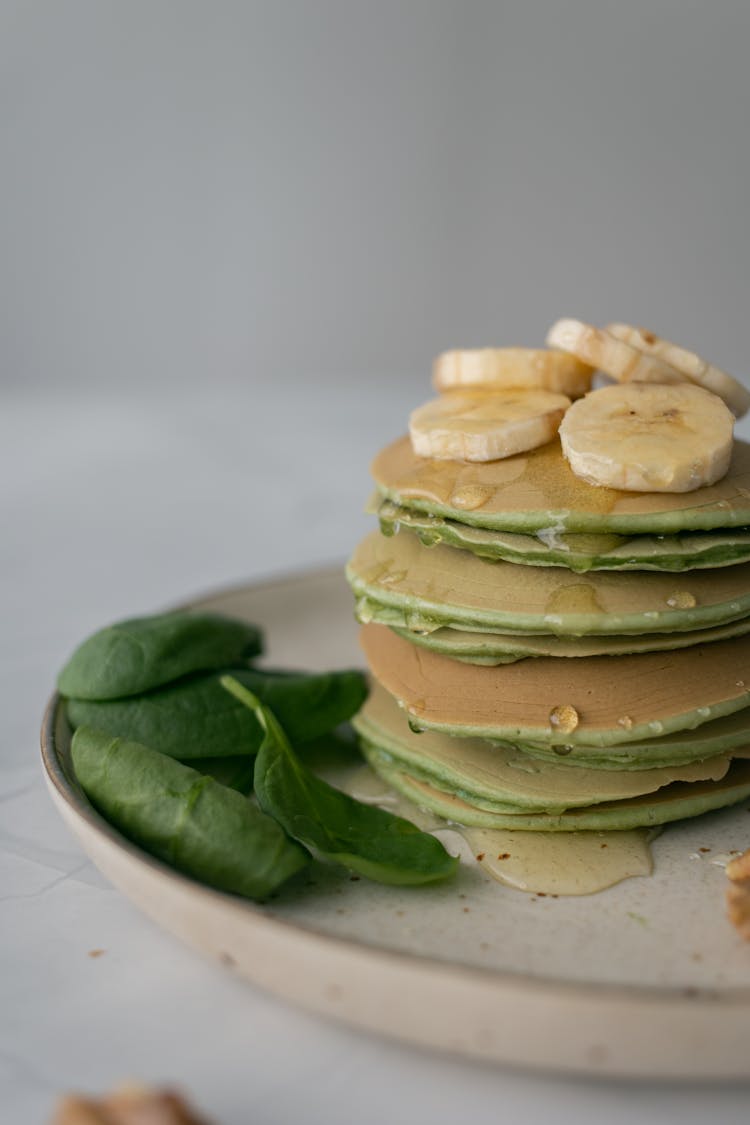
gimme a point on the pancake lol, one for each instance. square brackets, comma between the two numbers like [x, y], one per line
[537, 490]
[597, 701]
[493, 776]
[689, 550]
[507, 648]
[673, 802]
[444, 587]
[716, 736]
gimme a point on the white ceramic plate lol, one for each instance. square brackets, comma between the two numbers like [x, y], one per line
[645, 979]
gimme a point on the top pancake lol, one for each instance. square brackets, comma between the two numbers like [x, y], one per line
[537, 490]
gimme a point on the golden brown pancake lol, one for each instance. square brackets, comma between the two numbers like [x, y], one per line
[613, 698]
[538, 490]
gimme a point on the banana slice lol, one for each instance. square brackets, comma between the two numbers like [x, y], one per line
[503, 368]
[614, 357]
[647, 437]
[635, 355]
[688, 364]
[485, 426]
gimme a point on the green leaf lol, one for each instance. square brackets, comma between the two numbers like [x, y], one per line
[197, 718]
[364, 838]
[235, 772]
[145, 652]
[184, 818]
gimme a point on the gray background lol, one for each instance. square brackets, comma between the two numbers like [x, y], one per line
[236, 191]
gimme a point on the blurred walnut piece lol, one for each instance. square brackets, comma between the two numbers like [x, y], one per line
[127, 1107]
[738, 908]
[738, 895]
[738, 869]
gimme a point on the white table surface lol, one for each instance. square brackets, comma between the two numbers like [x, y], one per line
[117, 505]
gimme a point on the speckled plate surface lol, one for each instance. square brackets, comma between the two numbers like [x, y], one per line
[645, 979]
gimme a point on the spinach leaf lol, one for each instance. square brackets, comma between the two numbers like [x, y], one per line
[235, 772]
[145, 652]
[188, 820]
[308, 704]
[197, 718]
[366, 839]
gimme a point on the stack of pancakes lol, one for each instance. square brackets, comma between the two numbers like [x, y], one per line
[548, 655]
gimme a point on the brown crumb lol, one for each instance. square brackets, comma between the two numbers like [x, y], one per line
[466, 909]
[602, 845]
[480, 857]
[130, 1106]
[704, 850]
[504, 855]
[97, 952]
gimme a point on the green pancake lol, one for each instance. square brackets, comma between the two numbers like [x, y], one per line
[597, 701]
[535, 491]
[507, 648]
[673, 802]
[717, 736]
[504, 779]
[426, 589]
[578, 552]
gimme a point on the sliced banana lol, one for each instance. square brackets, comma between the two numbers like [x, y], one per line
[688, 364]
[614, 357]
[485, 426]
[648, 437]
[503, 368]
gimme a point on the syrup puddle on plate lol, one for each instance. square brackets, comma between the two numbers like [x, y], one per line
[548, 863]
